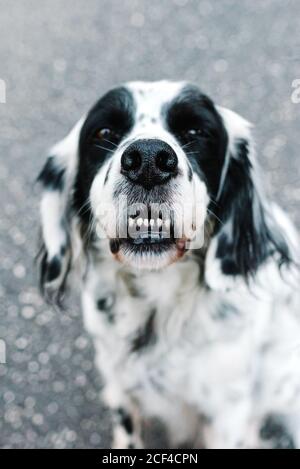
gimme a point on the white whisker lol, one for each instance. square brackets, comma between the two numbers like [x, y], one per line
[187, 144]
[112, 143]
[104, 148]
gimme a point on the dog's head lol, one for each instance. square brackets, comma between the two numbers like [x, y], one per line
[144, 172]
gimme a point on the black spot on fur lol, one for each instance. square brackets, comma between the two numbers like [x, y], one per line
[105, 305]
[146, 335]
[50, 270]
[224, 252]
[273, 430]
[53, 269]
[225, 311]
[63, 250]
[51, 176]
[125, 420]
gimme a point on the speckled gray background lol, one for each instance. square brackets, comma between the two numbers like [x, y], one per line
[57, 57]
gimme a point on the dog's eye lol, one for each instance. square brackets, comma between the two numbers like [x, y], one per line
[104, 133]
[194, 133]
[105, 138]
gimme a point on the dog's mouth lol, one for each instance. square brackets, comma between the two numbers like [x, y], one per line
[149, 236]
[150, 231]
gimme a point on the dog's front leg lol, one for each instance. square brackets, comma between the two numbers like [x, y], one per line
[126, 419]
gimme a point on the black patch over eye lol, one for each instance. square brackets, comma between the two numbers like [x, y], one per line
[106, 124]
[189, 123]
[193, 119]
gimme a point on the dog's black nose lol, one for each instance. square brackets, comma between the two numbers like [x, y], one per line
[149, 162]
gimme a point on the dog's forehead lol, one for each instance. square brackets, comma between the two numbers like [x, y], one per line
[151, 97]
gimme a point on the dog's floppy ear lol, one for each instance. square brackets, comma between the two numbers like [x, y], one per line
[57, 180]
[248, 233]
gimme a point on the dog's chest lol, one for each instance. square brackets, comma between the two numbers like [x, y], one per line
[138, 311]
[161, 330]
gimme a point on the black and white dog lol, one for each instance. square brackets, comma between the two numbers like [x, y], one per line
[204, 335]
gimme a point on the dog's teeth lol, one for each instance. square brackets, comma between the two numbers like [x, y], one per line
[167, 223]
[140, 222]
[131, 222]
[152, 222]
[146, 222]
[159, 222]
